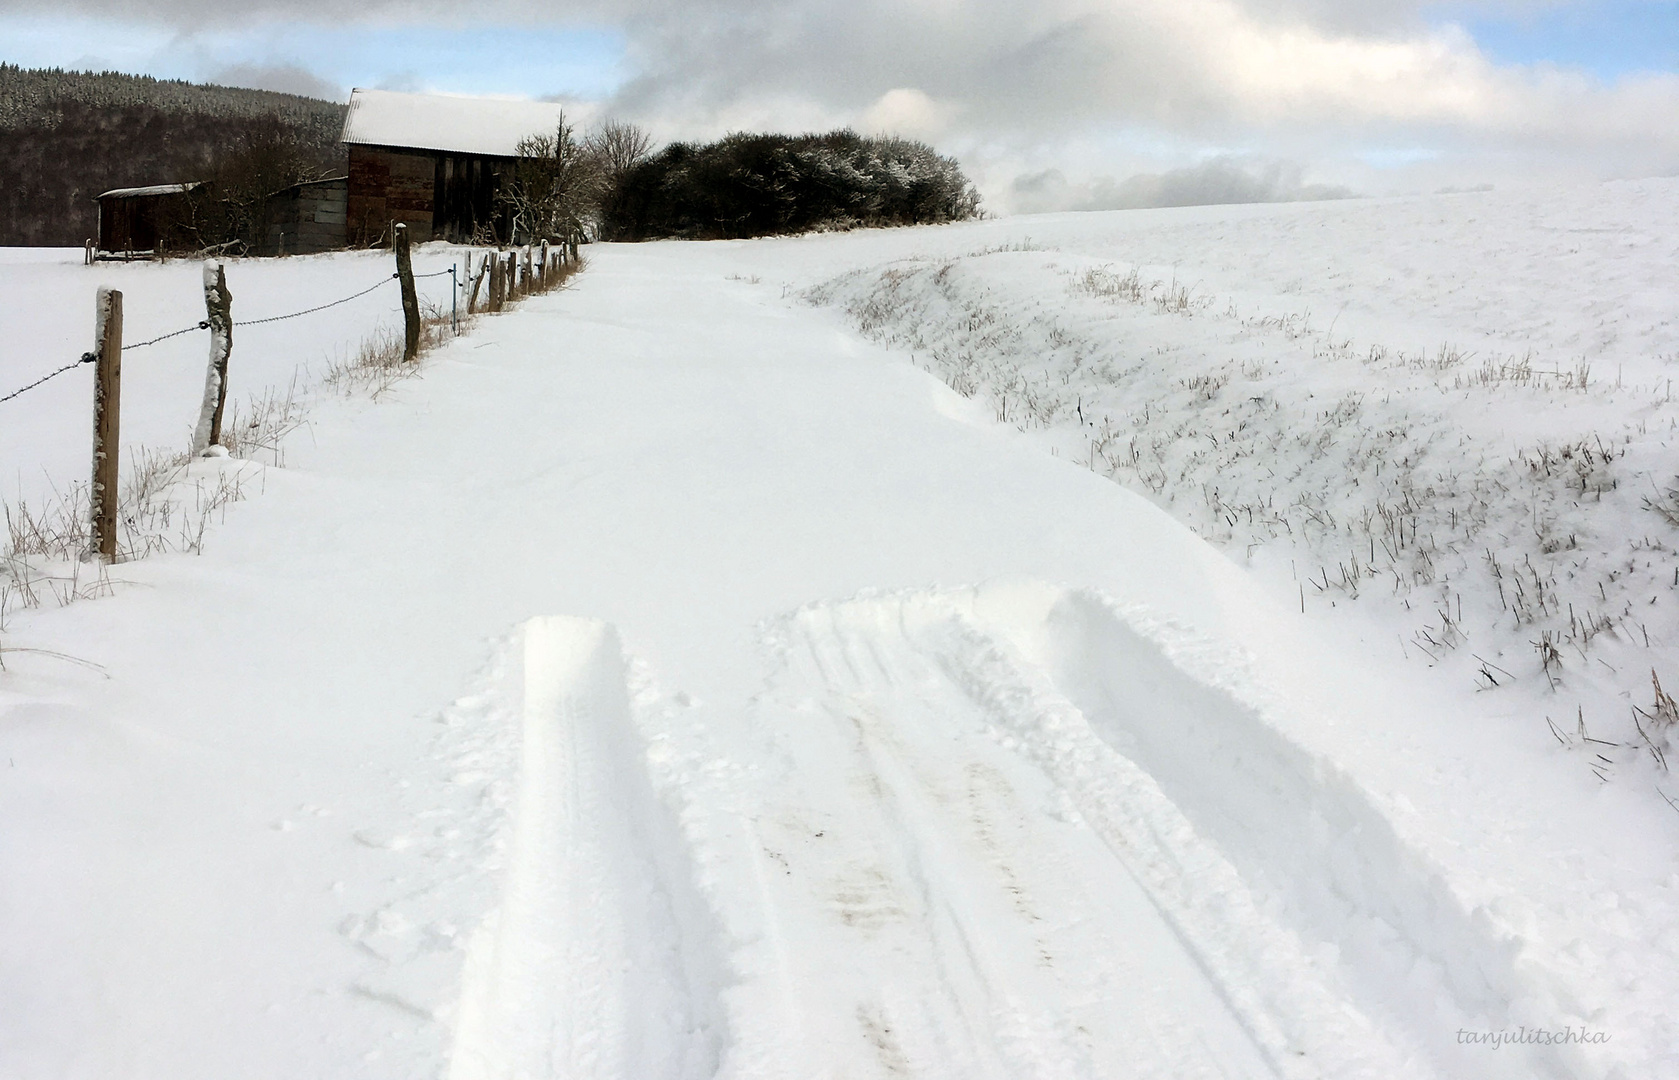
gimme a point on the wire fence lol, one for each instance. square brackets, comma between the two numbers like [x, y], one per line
[203, 324]
[87, 358]
[320, 307]
[92, 525]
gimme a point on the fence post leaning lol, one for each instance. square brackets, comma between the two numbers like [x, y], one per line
[107, 408]
[218, 308]
[410, 301]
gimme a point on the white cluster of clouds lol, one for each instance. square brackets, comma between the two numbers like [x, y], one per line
[1219, 180]
[1363, 93]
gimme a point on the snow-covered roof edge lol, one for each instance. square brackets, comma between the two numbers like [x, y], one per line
[155, 189]
[465, 125]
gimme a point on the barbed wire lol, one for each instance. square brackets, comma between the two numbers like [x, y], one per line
[319, 307]
[200, 325]
[88, 358]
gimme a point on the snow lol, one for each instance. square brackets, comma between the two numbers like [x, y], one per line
[48, 321]
[155, 189]
[462, 125]
[675, 681]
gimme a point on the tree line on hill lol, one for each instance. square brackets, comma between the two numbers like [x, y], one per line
[65, 137]
[761, 185]
[610, 185]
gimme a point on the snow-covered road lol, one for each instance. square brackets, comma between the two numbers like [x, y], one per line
[672, 684]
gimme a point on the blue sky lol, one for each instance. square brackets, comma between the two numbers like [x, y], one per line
[528, 61]
[1365, 94]
[1609, 39]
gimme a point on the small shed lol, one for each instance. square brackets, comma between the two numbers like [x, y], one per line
[307, 218]
[434, 162]
[139, 221]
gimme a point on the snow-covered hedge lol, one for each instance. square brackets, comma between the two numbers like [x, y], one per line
[760, 185]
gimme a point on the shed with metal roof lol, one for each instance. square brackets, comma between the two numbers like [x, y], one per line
[142, 221]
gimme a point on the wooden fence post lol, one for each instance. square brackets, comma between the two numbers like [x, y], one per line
[218, 308]
[542, 273]
[497, 279]
[410, 301]
[530, 286]
[483, 272]
[107, 407]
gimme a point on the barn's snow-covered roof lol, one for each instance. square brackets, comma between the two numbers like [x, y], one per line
[463, 125]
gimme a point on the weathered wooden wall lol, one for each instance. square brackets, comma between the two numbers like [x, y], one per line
[132, 223]
[308, 218]
[438, 195]
[387, 186]
[466, 192]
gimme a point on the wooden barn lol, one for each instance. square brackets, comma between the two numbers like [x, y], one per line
[140, 221]
[433, 162]
[307, 218]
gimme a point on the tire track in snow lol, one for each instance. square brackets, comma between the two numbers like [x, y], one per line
[950, 914]
[981, 834]
[1189, 715]
[1337, 949]
[595, 964]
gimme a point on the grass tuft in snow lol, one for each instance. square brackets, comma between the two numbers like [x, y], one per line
[169, 499]
[1381, 476]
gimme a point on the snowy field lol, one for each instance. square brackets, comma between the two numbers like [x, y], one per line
[1082, 646]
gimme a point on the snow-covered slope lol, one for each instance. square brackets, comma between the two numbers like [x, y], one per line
[674, 683]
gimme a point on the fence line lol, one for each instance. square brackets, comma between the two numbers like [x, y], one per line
[507, 285]
[202, 324]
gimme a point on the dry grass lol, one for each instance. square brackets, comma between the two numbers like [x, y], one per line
[168, 500]
[1527, 555]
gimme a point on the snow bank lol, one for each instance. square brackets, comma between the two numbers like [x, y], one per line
[1456, 411]
[619, 699]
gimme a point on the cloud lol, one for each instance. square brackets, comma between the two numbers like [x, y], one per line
[908, 112]
[1220, 180]
[1362, 89]
[1291, 79]
[286, 78]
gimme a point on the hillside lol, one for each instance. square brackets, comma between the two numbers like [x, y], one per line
[854, 655]
[65, 136]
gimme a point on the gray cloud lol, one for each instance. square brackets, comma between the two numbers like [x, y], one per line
[1094, 87]
[1220, 180]
[286, 78]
